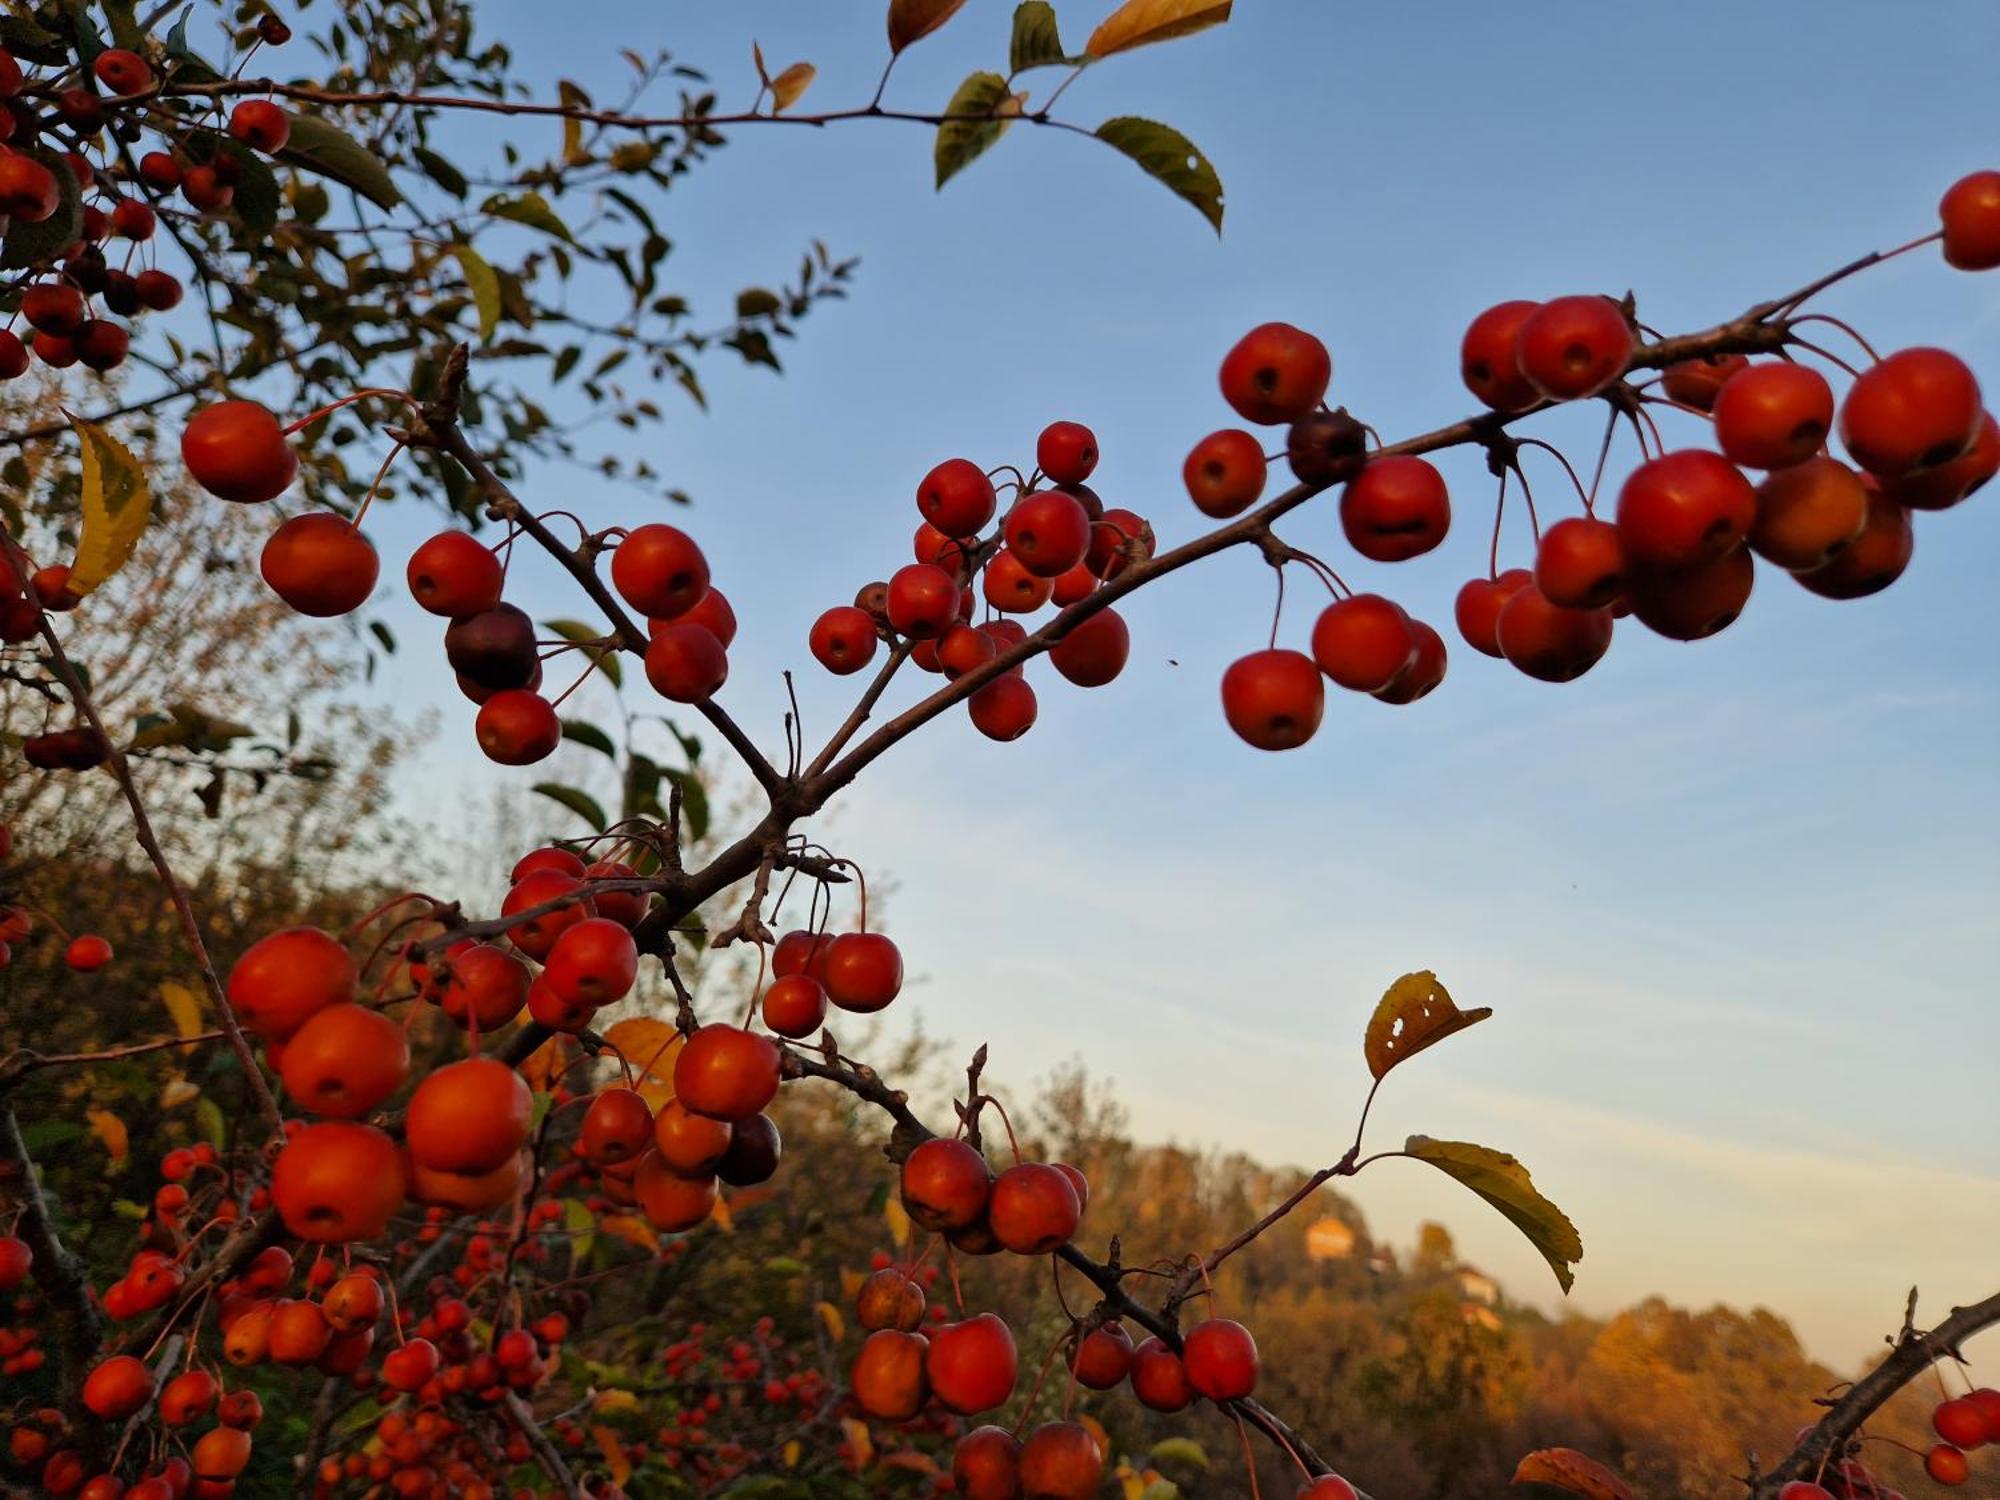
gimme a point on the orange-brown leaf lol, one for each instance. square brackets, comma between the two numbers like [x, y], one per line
[111, 1130]
[1572, 1473]
[913, 20]
[1139, 22]
[1414, 1012]
[614, 1453]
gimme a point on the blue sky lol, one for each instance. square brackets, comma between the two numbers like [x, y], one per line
[1733, 902]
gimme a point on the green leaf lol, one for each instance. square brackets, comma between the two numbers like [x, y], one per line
[1414, 1012]
[208, 1119]
[539, 1110]
[582, 1225]
[117, 505]
[575, 631]
[330, 152]
[581, 803]
[1183, 1450]
[258, 198]
[784, 1265]
[1172, 158]
[913, 20]
[757, 302]
[30, 244]
[1504, 1182]
[484, 283]
[531, 209]
[383, 634]
[1036, 43]
[959, 142]
[582, 733]
[125, 1208]
[440, 171]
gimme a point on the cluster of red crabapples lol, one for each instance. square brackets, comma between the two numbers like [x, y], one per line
[1962, 1422]
[81, 150]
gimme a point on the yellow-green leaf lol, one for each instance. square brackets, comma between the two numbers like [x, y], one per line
[329, 151]
[531, 209]
[117, 504]
[582, 1226]
[1037, 42]
[178, 1091]
[484, 284]
[913, 20]
[1414, 1012]
[1504, 1182]
[1170, 157]
[790, 85]
[1571, 1473]
[1179, 1450]
[982, 101]
[1137, 23]
[831, 1320]
[209, 1121]
[183, 1005]
[898, 1219]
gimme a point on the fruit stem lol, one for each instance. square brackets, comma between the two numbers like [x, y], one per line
[326, 411]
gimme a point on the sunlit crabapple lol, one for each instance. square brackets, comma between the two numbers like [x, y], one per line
[1574, 347]
[1691, 604]
[1220, 1357]
[945, 1185]
[1118, 538]
[320, 564]
[1362, 642]
[726, 1072]
[516, 727]
[890, 1298]
[1945, 485]
[1580, 563]
[1048, 532]
[1960, 1421]
[337, 1182]
[260, 125]
[1225, 473]
[626, 908]
[843, 639]
[1033, 1209]
[29, 192]
[862, 971]
[134, 220]
[345, 1061]
[1808, 514]
[594, 962]
[712, 612]
[188, 1397]
[1773, 415]
[51, 590]
[1009, 586]
[1489, 357]
[1333, 1487]
[1970, 216]
[1066, 452]
[1275, 373]
[957, 498]
[1913, 409]
[1003, 709]
[1061, 1461]
[659, 571]
[689, 1143]
[1095, 651]
[1548, 642]
[454, 573]
[122, 71]
[986, 1465]
[962, 648]
[1395, 509]
[283, 978]
[617, 1126]
[1159, 1379]
[205, 190]
[686, 663]
[923, 601]
[1323, 446]
[159, 290]
[159, 171]
[117, 1387]
[1425, 671]
[1102, 1357]
[1274, 699]
[54, 307]
[929, 545]
[236, 451]
[888, 1377]
[1683, 508]
[795, 1005]
[801, 952]
[87, 953]
[536, 935]
[54, 350]
[1873, 560]
[972, 1364]
[1947, 1465]
[468, 1116]
[411, 1366]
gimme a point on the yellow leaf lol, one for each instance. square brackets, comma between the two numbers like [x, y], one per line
[858, 1440]
[632, 1229]
[850, 1284]
[1095, 1428]
[613, 1402]
[1414, 1012]
[899, 1220]
[1504, 1182]
[650, 1046]
[721, 1217]
[484, 284]
[1132, 1484]
[792, 1451]
[109, 1129]
[178, 1091]
[117, 504]
[1566, 1469]
[1138, 22]
[541, 1066]
[829, 1315]
[913, 20]
[184, 1005]
[790, 85]
[614, 1454]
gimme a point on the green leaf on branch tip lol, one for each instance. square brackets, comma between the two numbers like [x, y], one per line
[30, 244]
[913, 20]
[580, 732]
[1037, 43]
[1172, 158]
[117, 506]
[484, 284]
[531, 209]
[441, 171]
[960, 141]
[328, 151]
[581, 803]
[1504, 1182]
[1414, 1012]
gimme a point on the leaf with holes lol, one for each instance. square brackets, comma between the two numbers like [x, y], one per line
[1504, 1182]
[117, 505]
[913, 20]
[581, 803]
[1138, 23]
[328, 151]
[484, 284]
[1036, 43]
[1568, 1472]
[980, 100]
[1414, 1012]
[1172, 158]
